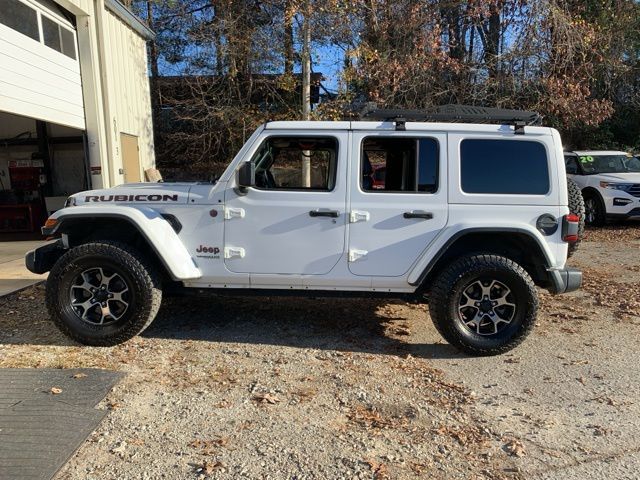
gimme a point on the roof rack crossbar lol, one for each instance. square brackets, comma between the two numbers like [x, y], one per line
[457, 114]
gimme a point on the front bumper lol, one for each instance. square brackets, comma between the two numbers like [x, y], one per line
[622, 216]
[565, 280]
[42, 258]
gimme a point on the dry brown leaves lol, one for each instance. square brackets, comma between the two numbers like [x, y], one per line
[209, 447]
[379, 470]
[622, 298]
[372, 419]
[209, 468]
[265, 399]
[56, 390]
[465, 435]
[515, 448]
[613, 233]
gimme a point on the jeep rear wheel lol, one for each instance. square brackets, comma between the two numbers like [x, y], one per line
[483, 304]
[102, 293]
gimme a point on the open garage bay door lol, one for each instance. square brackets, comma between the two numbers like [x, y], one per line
[40, 72]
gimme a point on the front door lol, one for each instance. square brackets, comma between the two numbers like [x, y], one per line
[292, 222]
[398, 199]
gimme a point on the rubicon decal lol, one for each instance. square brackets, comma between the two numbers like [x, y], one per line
[131, 198]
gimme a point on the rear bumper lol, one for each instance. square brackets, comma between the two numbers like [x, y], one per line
[565, 280]
[42, 258]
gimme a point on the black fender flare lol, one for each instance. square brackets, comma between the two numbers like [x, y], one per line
[469, 231]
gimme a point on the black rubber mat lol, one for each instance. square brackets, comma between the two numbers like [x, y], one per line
[39, 430]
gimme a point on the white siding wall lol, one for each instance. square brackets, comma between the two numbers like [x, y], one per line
[128, 89]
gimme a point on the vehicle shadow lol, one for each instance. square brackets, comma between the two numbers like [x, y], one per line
[348, 325]
[355, 325]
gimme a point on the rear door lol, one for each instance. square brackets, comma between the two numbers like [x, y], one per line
[394, 217]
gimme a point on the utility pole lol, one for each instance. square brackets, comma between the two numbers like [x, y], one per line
[306, 88]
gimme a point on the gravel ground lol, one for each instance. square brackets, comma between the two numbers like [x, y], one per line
[311, 388]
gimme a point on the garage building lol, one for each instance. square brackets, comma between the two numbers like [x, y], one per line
[75, 110]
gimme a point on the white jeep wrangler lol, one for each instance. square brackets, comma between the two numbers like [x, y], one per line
[470, 217]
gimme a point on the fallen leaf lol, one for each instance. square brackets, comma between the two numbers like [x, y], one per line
[208, 468]
[266, 398]
[79, 375]
[56, 390]
[515, 448]
[379, 470]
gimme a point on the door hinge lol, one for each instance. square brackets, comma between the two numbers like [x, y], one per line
[230, 213]
[355, 255]
[233, 252]
[359, 216]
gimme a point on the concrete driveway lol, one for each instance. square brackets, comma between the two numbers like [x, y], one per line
[13, 274]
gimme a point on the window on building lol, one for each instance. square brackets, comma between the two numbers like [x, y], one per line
[296, 163]
[68, 42]
[504, 167]
[399, 165]
[51, 34]
[20, 17]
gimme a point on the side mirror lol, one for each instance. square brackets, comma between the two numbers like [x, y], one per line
[246, 175]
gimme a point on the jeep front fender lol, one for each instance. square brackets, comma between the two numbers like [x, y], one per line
[158, 232]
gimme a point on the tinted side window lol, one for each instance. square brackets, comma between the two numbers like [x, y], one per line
[504, 167]
[296, 163]
[20, 17]
[399, 164]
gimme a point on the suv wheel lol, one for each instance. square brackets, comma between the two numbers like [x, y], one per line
[102, 294]
[576, 206]
[595, 214]
[483, 304]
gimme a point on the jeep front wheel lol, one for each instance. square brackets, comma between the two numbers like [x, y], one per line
[102, 293]
[483, 304]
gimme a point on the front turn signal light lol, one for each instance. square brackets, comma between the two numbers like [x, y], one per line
[50, 223]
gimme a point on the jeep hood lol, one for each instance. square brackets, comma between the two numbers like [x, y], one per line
[144, 193]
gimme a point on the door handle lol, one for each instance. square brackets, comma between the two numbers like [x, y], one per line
[324, 213]
[418, 214]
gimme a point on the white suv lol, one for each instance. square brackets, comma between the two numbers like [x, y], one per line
[609, 181]
[469, 217]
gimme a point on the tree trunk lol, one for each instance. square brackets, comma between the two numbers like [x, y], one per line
[288, 38]
[306, 89]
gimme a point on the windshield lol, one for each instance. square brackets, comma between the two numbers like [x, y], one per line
[593, 164]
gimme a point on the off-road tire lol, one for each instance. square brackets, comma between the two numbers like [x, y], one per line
[140, 276]
[576, 206]
[445, 295]
[599, 214]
